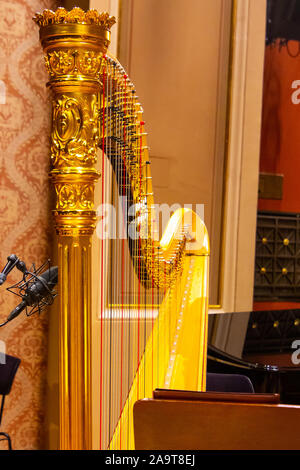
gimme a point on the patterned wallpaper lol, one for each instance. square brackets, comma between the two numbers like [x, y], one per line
[25, 226]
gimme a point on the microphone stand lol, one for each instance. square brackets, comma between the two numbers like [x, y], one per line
[12, 261]
[35, 288]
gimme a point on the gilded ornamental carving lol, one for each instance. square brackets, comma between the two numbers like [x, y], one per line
[74, 44]
[76, 15]
[75, 134]
[74, 62]
[72, 197]
[60, 62]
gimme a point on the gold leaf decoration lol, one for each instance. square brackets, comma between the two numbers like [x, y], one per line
[89, 62]
[61, 62]
[76, 15]
[60, 15]
[76, 196]
[67, 196]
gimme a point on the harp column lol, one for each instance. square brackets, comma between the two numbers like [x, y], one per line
[74, 43]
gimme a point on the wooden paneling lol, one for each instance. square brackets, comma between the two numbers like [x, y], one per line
[210, 425]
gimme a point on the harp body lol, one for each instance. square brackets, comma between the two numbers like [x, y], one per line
[152, 314]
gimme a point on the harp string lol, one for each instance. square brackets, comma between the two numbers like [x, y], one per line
[123, 142]
[129, 331]
[122, 191]
[111, 255]
[102, 98]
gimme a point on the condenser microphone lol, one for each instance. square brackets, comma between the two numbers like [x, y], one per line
[37, 291]
[12, 261]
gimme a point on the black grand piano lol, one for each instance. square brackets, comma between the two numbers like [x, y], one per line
[271, 334]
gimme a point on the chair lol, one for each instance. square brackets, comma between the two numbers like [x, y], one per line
[8, 369]
[228, 383]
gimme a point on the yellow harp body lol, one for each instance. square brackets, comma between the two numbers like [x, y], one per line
[147, 328]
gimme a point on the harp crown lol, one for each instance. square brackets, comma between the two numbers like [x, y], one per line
[76, 15]
[76, 22]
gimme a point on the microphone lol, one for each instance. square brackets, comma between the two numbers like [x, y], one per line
[39, 289]
[12, 261]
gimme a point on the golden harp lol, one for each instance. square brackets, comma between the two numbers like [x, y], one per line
[134, 317]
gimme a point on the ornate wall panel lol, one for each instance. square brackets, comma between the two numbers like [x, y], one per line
[24, 209]
[277, 260]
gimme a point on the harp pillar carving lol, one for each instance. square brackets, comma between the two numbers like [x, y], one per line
[74, 44]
